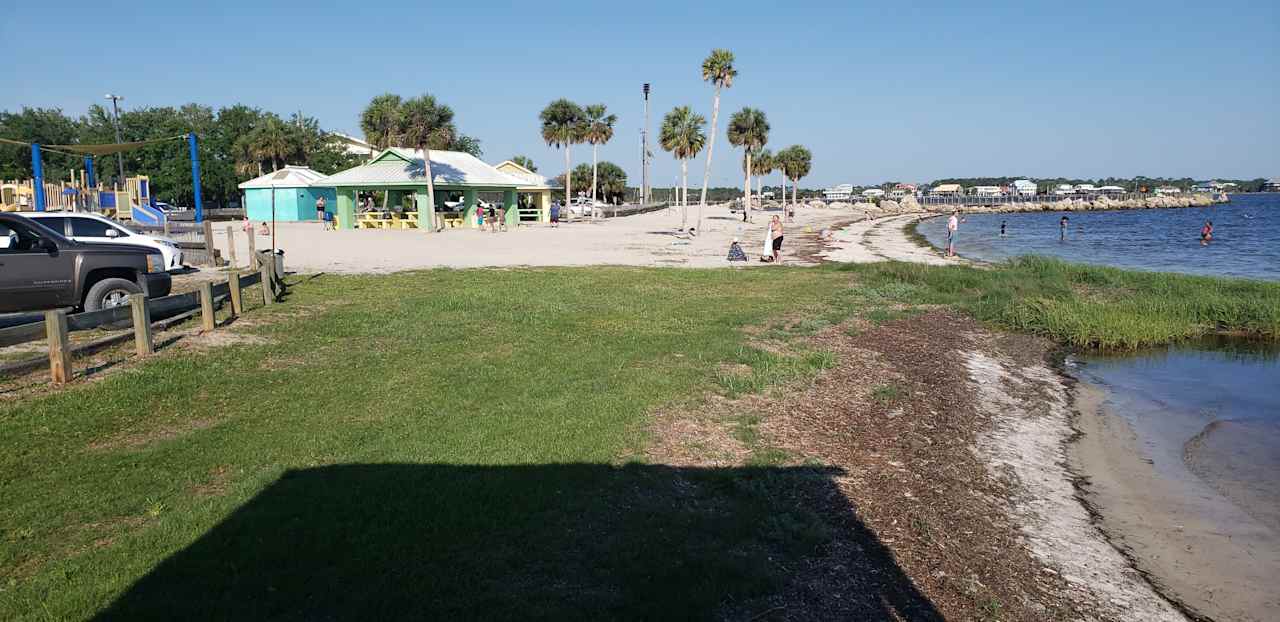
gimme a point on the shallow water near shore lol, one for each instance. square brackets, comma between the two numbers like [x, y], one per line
[1209, 406]
[1246, 237]
[1199, 502]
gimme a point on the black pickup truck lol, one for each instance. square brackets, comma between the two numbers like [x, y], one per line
[41, 269]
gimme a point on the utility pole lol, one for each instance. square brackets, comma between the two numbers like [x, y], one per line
[644, 162]
[115, 112]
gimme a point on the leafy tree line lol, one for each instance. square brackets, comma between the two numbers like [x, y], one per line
[236, 143]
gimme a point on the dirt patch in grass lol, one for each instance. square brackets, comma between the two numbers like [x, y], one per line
[216, 484]
[136, 439]
[897, 415]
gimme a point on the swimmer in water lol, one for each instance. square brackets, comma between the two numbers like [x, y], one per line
[1062, 228]
[1002, 226]
[1206, 233]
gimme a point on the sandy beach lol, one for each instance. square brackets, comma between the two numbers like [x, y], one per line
[651, 239]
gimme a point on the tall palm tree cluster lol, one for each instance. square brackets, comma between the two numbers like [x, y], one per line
[392, 121]
[565, 124]
[275, 143]
[683, 135]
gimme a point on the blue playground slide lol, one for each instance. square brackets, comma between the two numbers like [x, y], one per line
[148, 215]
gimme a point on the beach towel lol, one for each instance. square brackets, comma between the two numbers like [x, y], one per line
[768, 242]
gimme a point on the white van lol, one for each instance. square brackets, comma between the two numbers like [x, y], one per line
[94, 228]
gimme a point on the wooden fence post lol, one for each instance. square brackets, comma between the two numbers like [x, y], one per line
[231, 245]
[208, 243]
[268, 285]
[233, 285]
[253, 249]
[141, 325]
[206, 306]
[55, 323]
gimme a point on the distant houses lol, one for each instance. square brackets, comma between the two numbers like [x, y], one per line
[1272, 185]
[842, 192]
[947, 190]
[1168, 190]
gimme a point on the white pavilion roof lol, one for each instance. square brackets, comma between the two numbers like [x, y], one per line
[399, 166]
[287, 177]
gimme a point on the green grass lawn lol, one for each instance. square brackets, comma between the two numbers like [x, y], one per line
[455, 443]
[543, 377]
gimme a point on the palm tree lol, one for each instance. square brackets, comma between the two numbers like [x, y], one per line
[245, 155]
[271, 142]
[682, 135]
[717, 69]
[796, 162]
[748, 129]
[426, 123]
[526, 162]
[562, 126]
[381, 119]
[598, 131]
[762, 164]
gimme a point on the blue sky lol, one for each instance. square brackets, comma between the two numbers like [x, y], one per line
[884, 91]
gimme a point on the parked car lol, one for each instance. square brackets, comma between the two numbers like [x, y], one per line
[43, 269]
[94, 228]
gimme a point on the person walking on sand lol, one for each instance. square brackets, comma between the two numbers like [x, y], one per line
[502, 219]
[493, 219]
[1062, 228]
[775, 230]
[953, 229]
[555, 214]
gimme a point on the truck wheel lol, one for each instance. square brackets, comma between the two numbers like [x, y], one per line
[109, 293]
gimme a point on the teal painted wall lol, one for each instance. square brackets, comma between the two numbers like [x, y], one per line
[291, 203]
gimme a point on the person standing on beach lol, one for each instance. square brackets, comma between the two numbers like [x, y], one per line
[555, 213]
[1062, 228]
[953, 229]
[775, 230]
[320, 209]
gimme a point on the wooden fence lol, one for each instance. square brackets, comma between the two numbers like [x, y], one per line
[141, 314]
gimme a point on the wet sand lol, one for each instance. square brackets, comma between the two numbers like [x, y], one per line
[1207, 555]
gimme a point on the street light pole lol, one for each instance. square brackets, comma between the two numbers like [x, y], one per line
[644, 162]
[115, 112]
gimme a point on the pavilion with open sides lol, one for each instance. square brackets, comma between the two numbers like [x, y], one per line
[400, 172]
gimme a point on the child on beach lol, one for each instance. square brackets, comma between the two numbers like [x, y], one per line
[502, 219]
[735, 251]
[264, 230]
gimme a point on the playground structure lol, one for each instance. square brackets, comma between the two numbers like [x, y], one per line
[132, 202]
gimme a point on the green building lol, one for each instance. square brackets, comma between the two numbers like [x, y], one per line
[459, 181]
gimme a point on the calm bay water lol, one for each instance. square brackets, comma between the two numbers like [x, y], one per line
[1246, 237]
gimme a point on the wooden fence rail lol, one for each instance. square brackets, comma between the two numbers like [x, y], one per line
[55, 325]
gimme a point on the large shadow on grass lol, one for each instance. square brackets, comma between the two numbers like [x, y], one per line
[396, 541]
